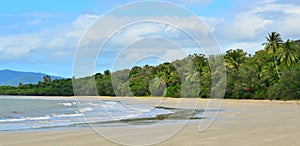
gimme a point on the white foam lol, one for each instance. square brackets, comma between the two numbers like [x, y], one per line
[87, 109]
[109, 102]
[12, 120]
[107, 106]
[68, 115]
[142, 110]
[90, 103]
[24, 119]
[65, 104]
[128, 116]
[38, 118]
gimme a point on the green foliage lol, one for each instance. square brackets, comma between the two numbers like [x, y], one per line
[173, 91]
[61, 87]
[274, 42]
[104, 85]
[272, 73]
[235, 58]
[139, 80]
[288, 87]
[288, 53]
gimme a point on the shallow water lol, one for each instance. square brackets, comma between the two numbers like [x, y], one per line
[27, 113]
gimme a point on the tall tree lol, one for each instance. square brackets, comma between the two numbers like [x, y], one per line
[274, 42]
[234, 58]
[288, 53]
[47, 79]
[107, 72]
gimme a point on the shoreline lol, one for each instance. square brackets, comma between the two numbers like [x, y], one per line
[246, 101]
[244, 121]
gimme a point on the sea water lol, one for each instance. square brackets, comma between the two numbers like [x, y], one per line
[23, 113]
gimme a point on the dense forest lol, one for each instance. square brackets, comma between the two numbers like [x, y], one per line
[271, 73]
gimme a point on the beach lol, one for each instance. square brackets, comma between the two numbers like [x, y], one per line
[243, 122]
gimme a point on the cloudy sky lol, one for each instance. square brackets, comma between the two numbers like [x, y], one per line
[43, 36]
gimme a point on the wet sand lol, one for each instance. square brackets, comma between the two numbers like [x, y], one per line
[243, 122]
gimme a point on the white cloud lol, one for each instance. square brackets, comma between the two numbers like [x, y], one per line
[16, 46]
[249, 47]
[169, 28]
[212, 22]
[81, 25]
[289, 25]
[245, 30]
[174, 54]
[52, 42]
[56, 43]
[245, 26]
[248, 28]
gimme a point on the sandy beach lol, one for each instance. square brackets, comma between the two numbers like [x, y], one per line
[243, 122]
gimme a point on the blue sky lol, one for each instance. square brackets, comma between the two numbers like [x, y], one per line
[42, 36]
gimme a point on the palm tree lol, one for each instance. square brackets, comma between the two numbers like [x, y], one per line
[274, 42]
[107, 72]
[288, 53]
[166, 73]
[190, 72]
[259, 69]
[46, 79]
[20, 85]
[234, 58]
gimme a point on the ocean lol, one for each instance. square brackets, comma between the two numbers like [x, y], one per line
[30, 113]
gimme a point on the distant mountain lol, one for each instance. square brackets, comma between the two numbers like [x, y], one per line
[13, 78]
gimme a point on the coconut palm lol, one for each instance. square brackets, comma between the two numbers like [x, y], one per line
[259, 69]
[288, 53]
[274, 42]
[234, 58]
[46, 79]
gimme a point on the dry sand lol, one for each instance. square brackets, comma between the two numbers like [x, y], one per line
[244, 122]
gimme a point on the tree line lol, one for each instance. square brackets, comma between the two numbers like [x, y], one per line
[271, 73]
